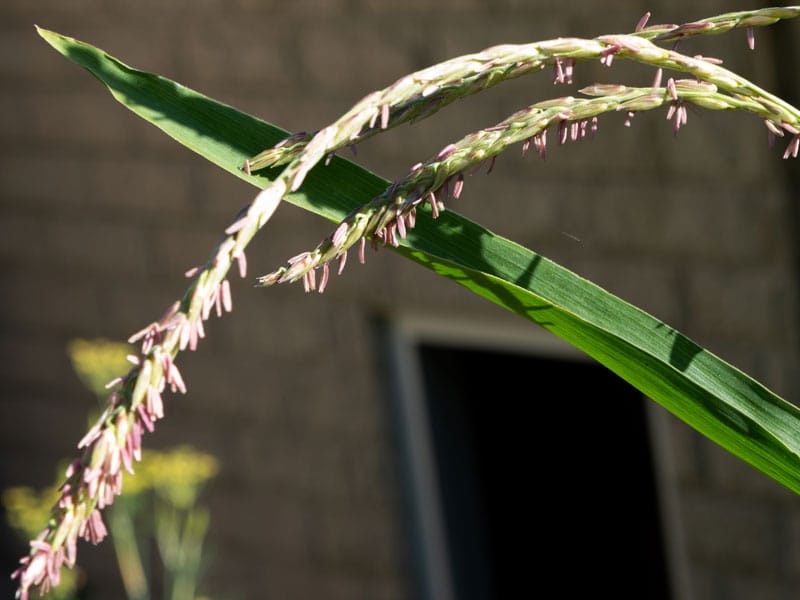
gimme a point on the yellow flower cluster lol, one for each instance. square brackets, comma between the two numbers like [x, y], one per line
[98, 361]
[176, 475]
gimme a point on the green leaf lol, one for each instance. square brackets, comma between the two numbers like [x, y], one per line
[715, 398]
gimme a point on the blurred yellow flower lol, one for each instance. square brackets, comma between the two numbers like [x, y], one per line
[98, 361]
[176, 474]
[27, 508]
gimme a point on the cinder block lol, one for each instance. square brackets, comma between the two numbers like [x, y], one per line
[333, 64]
[58, 305]
[147, 191]
[92, 117]
[737, 304]
[64, 188]
[731, 534]
[104, 247]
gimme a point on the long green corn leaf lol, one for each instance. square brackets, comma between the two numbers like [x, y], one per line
[707, 393]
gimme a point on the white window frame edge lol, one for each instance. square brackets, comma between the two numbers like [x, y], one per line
[405, 333]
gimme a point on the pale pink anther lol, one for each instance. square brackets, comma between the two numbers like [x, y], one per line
[446, 152]
[93, 483]
[127, 459]
[751, 38]
[708, 59]
[144, 417]
[176, 380]
[193, 335]
[323, 282]
[298, 258]
[185, 333]
[607, 55]
[384, 116]
[340, 234]
[171, 374]
[312, 279]
[434, 205]
[135, 440]
[684, 114]
[342, 262]
[584, 127]
[94, 530]
[34, 571]
[113, 487]
[90, 436]
[54, 566]
[201, 332]
[208, 302]
[41, 545]
[677, 111]
[362, 246]
[224, 250]
[150, 336]
[569, 69]
[308, 283]
[673, 91]
[225, 292]
[237, 225]
[657, 79]
[72, 468]
[298, 265]
[540, 143]
[241, 260]
[629, 118]
[458, 186]
[562, 132]
[400, 224]
[642, 22]
[65, 499]
[102, 494]
[391, 235]
[155, 404]
[558, 71]
[71, 550]
[218, 302]
[191, 272]
[112, 465]
[115, 381]
[793, 147]
[411, 217]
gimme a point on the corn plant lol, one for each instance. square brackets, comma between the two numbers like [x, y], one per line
[408, 216]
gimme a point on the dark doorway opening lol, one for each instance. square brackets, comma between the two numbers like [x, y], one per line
[545, 475]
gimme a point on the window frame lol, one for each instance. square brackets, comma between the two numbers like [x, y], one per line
[428, 538]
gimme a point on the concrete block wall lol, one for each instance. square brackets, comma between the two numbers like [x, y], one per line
[100, 214]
